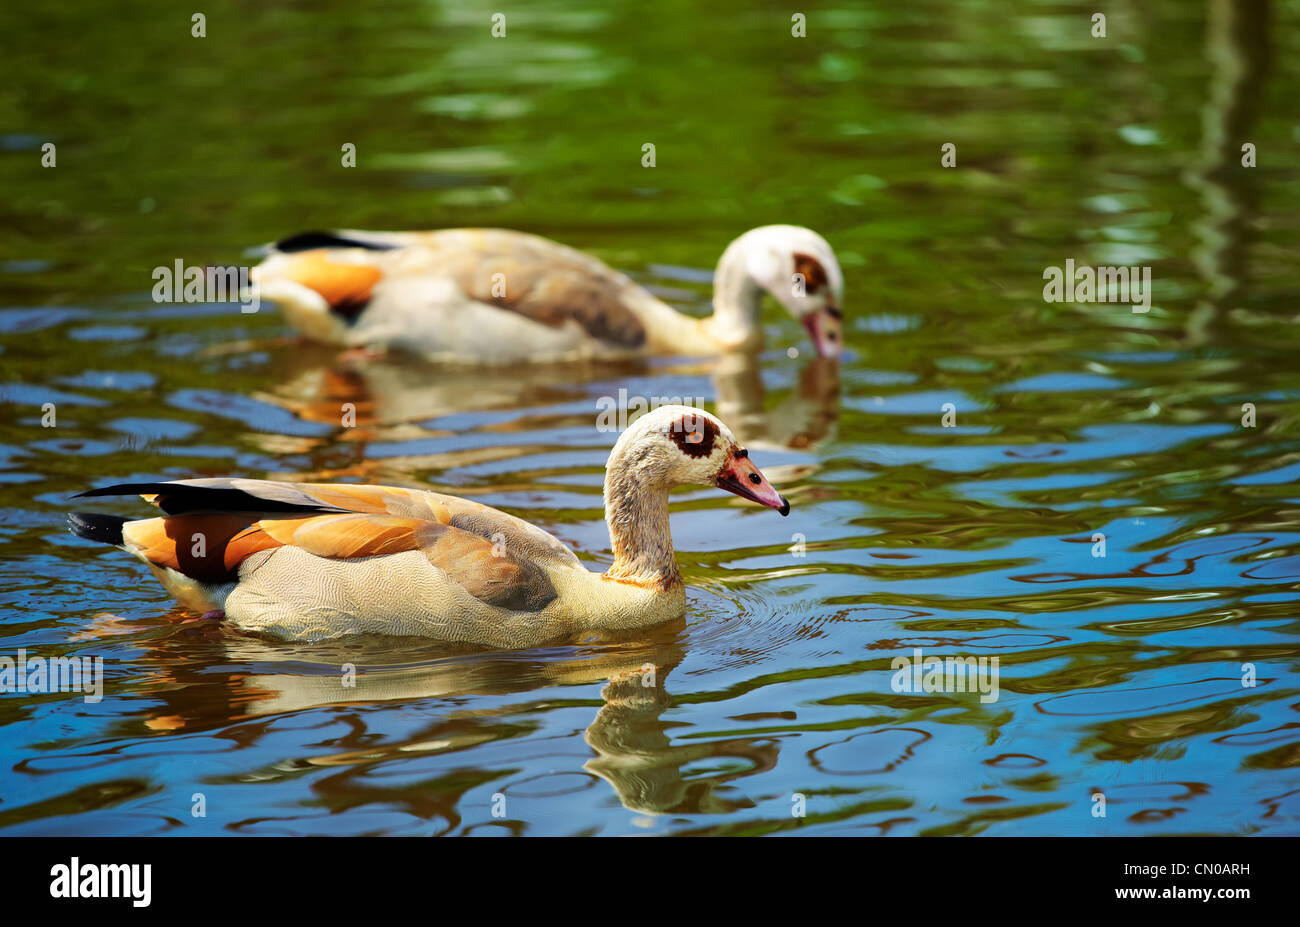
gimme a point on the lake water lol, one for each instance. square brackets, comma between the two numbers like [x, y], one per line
[1162, 675]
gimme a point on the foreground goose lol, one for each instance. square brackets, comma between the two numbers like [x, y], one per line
[500, 297]
[316, 561]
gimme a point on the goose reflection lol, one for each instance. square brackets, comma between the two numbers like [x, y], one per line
[802, 419]
[636, 757]
[205, 677]
[356, 389]
[366, 399]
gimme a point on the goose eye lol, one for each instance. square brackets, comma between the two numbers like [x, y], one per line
[695, 437]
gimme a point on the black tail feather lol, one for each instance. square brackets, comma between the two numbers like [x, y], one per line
[217, 495]
[309, 241]
[106, 529]
[126, 489]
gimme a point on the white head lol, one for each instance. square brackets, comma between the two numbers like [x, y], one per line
[799, 269]
[682, 445]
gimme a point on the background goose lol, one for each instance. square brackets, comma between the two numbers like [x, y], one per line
[498, 296]
[316, 561]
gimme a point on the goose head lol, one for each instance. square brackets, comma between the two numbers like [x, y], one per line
[685, 446]
[798, 267]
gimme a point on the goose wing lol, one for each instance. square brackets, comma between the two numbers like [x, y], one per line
[212, 526]
[525, 274]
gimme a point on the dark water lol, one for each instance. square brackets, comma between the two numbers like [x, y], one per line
[1121, 675]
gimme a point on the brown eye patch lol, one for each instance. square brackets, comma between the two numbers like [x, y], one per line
[814, 275]
[694, 435]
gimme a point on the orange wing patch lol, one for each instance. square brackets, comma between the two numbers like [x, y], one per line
[211, 548]
[349, 536]
[346, 287]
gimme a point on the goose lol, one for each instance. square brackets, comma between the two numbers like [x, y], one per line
[311, 562]
[496, 296]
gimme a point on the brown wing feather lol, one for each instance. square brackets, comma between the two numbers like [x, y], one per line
[543, 280]
[552, 293]
[488, 573]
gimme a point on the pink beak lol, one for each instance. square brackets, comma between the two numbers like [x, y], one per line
[825, 329]
[748, 482]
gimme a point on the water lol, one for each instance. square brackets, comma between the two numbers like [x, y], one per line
[1120, 675]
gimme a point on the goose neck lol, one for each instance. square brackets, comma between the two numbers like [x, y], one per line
[636, 509]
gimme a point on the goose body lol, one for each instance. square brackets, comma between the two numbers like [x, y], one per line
[495, 296]
[315, 561]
